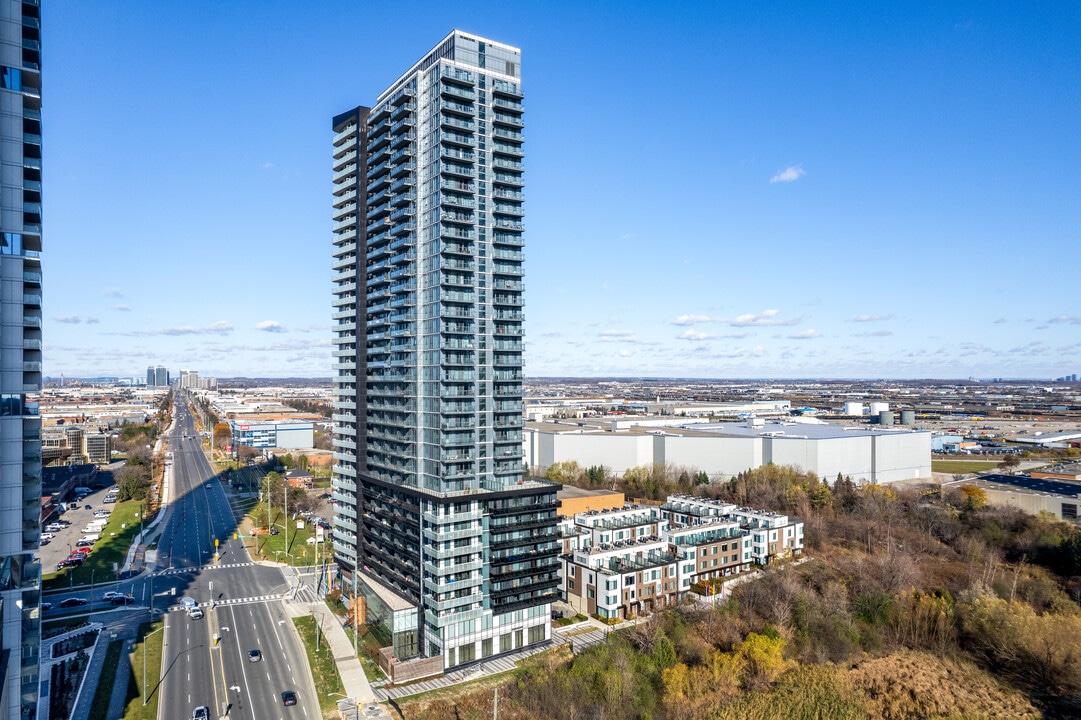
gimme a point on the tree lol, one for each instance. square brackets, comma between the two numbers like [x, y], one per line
[132, 482]
[1009, 463]
[223, 435]
[565, 471]
[974, 497]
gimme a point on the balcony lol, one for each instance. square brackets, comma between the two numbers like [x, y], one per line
[508, 120]
[456, 169]
[450, 121]
[455, 91]
[455, 107]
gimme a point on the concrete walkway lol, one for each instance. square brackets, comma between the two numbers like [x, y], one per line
[354, 681]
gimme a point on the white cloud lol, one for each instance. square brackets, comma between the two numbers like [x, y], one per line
[735, 335]
[112, 292]
[624, 353]
[765, 318]
[693, 335]
[122, 308]
[808, 334]
[691, 319]
[871, 318]
[789, 174]
[1066, 320]
[756, 351]
[76, 319]
[876, 333]
[221, 327]
[617, 336]
[270, 326]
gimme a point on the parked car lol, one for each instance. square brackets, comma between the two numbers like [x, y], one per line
[47, 536]
[109, 499]
[73, 602]
[88, 507]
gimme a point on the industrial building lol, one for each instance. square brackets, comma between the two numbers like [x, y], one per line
[1026, 492]
[432, 507]
[865, 453]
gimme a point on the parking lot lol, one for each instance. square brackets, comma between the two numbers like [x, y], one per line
[63, 541]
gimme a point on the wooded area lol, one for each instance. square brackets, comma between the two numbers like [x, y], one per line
[911, 604]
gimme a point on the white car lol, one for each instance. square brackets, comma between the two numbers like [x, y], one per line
[47, 536]
[110, 595]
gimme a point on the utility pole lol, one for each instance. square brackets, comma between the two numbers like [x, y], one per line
[495, 705]
[356, 569]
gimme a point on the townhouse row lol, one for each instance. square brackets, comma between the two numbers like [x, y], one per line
[636, 559]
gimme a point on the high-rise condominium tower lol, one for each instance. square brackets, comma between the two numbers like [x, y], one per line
[20, 355]
[457, 551]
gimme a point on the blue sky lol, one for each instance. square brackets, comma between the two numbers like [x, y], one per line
[755, 189]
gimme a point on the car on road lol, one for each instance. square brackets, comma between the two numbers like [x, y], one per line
[289, 698]
[195, 614]
[188, 603]
[73, 602]
[254, 656]
[46, 606]
[122, 600]
[201, 713]
[111, 594]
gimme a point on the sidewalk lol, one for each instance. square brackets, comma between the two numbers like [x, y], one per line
[354, 681]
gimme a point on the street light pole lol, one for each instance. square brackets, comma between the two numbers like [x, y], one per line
[144, 656]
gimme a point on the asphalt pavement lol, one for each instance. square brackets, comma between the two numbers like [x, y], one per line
[240, 600]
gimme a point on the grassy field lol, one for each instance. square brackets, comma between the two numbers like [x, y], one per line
[960, 467]
[111, 548]
[135, 710]
[324, 670]
[273, 547]
[100, 708]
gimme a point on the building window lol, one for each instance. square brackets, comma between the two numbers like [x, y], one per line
[714, 549]
[1069, 510]
[504, 643]
[591, 594]
[536, 634]
[467, 653]
[570, 584]
[486, 647]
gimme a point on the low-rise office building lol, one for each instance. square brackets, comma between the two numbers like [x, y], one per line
[270, 435]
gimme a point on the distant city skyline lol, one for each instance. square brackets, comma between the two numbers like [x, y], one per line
[721, 191]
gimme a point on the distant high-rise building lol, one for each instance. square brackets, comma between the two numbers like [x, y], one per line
[20, 357]
[432, 504]
[157, 376]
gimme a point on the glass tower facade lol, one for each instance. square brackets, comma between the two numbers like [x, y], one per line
[432, 503]
[20, 356]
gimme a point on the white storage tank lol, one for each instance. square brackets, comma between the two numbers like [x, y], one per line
[853, 408]
[879, 407]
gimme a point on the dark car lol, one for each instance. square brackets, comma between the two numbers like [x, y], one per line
[289, 698]
[72, 602]
[274, 531]
[122, 600]
[254, 656]
[88, 507]
[45, 606]
[201, 713]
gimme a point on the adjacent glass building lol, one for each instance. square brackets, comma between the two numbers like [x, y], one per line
[20, 355]
[427, 260]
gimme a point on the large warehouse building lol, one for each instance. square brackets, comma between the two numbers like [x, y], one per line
[865, 453]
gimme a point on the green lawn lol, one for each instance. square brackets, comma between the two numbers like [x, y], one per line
[100, 708]
[273, 547]
[960, 467]
[111, 548]
[135, 710]
[324, 669]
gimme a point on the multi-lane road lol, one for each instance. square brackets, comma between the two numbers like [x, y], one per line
[240, 602]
